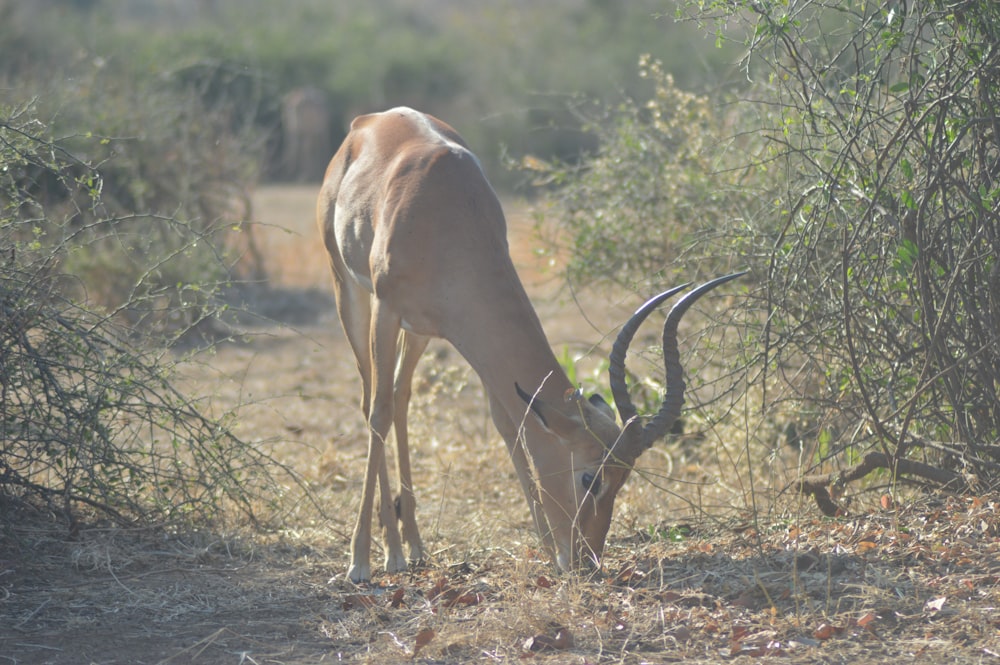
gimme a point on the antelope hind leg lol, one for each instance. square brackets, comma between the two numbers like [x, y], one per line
[412, 346]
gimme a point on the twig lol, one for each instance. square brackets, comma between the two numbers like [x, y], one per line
[817, 486]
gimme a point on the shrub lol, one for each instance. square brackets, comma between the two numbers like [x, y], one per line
[857, 179]
[631, 213]
[89, 417]
[894, 213]
[159, 223]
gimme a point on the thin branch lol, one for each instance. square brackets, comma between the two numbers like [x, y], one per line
[818, 486]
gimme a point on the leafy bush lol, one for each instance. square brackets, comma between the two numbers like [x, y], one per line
[123, 202]
[87, 416]
[896, 217]
[500, 72]
[857, 179]
[632, 212]
[159, 224]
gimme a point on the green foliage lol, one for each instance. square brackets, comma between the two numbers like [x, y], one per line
[501, 72]
[652, 189]
[892, 160]
[152, 224]
[647, 394]
[670, 534]
[591, 383]
[857, 179]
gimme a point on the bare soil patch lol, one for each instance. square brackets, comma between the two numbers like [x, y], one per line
[692, 572]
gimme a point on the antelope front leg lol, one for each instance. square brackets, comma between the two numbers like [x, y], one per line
[395, 562]
[361, 541]
[411, 348]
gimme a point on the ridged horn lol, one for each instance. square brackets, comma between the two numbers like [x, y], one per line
[616, 361]
[674, 399]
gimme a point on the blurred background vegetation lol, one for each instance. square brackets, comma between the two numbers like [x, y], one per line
[845, 153]
[505, 73]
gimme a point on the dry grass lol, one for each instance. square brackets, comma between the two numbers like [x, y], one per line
[699, 567]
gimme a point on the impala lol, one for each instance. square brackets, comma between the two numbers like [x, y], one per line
[417, 243]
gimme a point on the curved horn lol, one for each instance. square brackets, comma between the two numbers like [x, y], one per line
[616, 361]
[674, 399]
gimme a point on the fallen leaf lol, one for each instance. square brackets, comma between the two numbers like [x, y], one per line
[866, 622]
[772, 648]
[624, 576]
[449, 596]
[935, 605]
[826, 631]
[466, 599]
[755, 644]
[397, 598]
[669, 597]
[423, 638]
[355, 601]
[749, 599]
[865, 546]
[563, 640]
[682, 634]
[438, 588]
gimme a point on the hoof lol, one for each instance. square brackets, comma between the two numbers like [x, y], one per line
[395, 563]
[359, 573]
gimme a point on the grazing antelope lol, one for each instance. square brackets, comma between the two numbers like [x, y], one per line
[418, 248]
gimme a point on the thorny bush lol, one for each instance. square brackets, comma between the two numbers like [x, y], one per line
[856, 176]
[88, 414]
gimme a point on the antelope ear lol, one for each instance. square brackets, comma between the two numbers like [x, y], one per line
[534, 403]
[601, 405]
[554, 420]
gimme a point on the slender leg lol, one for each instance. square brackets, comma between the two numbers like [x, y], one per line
[412, 346]
[385, 334]
[361, 541]
[509, 431]
[394, 560]
[354, 309]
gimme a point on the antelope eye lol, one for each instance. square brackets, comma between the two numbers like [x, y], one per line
[591, 483]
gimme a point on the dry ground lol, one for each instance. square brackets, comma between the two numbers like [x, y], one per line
[691, 574]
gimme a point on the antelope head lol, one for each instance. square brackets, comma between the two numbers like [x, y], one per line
[578, 503]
